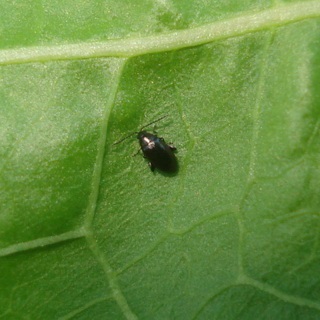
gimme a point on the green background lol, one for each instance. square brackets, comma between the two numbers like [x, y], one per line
[87, 231]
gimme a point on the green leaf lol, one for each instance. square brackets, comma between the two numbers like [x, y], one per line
[88, 232]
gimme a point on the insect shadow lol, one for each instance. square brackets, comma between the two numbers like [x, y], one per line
[160, 155]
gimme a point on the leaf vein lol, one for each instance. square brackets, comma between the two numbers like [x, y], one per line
[303, 302]
[97, 172]
[253, 152]
[246, 23]
[41, 242]
[85, 307]
[111, 278]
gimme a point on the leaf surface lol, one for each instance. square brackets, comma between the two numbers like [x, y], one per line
[87, 231]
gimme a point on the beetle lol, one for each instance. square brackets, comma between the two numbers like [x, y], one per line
[159, 154]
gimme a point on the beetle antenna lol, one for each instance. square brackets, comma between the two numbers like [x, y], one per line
[147, 125]
[131, 134]
[126, 137]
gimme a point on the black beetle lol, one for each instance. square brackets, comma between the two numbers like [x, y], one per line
[156, 150]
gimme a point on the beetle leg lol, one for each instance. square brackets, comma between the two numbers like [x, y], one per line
[152, 167]
[170, 145]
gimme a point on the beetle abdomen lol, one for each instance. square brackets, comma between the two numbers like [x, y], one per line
[162, 159]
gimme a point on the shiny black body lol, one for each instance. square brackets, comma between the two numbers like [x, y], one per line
[158, 152]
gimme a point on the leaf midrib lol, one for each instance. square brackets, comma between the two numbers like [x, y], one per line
[245, 23]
